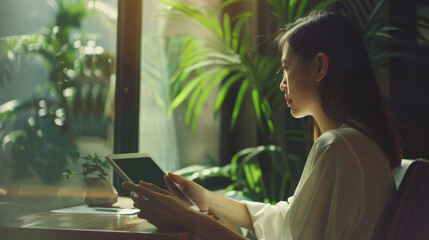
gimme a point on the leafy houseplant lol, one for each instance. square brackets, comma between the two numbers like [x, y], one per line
[92, 165]
[38, 135]
[43, 143]
[100, 191]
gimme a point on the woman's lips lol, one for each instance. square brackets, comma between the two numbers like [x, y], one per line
[288, 100]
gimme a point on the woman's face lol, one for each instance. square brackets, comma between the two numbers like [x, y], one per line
[299, 83]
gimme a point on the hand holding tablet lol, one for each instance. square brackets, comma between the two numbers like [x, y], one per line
[140, 166]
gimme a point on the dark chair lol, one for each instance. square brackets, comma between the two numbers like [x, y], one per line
[407, 215]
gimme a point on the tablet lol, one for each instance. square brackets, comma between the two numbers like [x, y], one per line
[133, 167]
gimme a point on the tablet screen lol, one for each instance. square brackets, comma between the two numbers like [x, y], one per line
[142, 168]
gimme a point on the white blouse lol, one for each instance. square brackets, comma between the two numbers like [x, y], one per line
[345, 184]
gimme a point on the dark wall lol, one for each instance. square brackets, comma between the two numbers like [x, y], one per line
[409, 80]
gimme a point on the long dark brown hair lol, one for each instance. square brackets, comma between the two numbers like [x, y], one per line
[350, 90]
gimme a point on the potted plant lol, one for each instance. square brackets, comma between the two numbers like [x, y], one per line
[99, 191]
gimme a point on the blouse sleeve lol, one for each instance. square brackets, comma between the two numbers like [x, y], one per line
[327, 204]
[267, 219]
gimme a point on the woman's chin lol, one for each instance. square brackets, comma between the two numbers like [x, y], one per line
[297, 114]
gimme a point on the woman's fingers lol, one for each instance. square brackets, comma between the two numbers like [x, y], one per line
[161, 210]
[176, 191]
[140, 203]
[172, 178]
[171, 186]
[177, 178]
[140, 190]
[153, 187]
[142, 215]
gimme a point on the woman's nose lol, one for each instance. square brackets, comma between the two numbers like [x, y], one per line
[283, 86]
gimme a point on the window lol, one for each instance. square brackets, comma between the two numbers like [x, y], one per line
[57, 72]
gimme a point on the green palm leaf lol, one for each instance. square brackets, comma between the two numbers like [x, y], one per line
[325, 4]
[228, 3]
[239, 102]
[224, 90]
[376, 10]
[194, 97]
[291, 9]
[227, 29]
[190, 86]
[236, 34]
[302, 6]
[206, 92]
[256, 105]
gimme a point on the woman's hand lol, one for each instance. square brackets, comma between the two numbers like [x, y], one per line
[221, 206]
[166, 212]
[195, 192]
[161, 208]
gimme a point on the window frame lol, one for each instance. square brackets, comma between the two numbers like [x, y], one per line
[127, 89]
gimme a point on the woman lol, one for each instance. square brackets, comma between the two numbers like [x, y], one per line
[347, 179]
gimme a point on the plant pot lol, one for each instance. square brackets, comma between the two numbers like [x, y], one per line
[100, 192]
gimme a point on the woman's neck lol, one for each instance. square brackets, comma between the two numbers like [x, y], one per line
[325, 123]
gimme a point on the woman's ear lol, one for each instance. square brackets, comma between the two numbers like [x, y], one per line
[322, 62]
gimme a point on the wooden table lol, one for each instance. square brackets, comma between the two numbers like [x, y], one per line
[78, 226]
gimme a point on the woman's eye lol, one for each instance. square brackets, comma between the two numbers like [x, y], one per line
[282, 71]
[285, 69]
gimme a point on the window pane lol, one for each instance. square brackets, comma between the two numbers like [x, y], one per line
[165, 135]
[57, 72]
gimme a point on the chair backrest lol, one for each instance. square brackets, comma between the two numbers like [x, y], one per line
[407, 216]
[399, 173]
